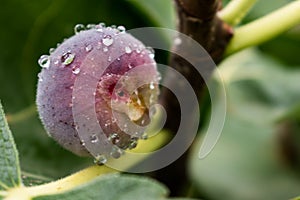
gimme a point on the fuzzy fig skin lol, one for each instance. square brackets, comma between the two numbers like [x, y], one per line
[66, 63]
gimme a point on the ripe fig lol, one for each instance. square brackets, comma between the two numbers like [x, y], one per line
[122, 99]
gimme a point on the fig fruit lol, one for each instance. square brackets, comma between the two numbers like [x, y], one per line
[122, 99]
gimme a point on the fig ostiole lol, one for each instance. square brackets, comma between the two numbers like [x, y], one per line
[126, 87]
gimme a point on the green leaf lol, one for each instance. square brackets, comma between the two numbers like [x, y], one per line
[113, 187]
[41, 155]
[9, 161]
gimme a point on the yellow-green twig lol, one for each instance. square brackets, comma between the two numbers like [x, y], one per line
[84, 176]
[265, 28]
[236, 10]
[21, 115]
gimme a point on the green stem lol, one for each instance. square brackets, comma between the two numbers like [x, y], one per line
[236, 10]
[265, 28]
[21, 115]
[84, 176]
[3, 193]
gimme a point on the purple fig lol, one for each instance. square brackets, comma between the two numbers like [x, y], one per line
[120, 96]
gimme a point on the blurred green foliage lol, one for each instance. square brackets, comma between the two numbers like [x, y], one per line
[247, 162]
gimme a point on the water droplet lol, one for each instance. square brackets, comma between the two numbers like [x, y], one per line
[130, 66]
[105, 49]
[109, 59]
[102, 25]
[152, 86]
[128, 50]
[121, 29]
[76, 70]
[116, 152]
[94, 138]
[133, 143]
[44, 61]
[138, 50]
[107, 40]
[177, 41]
[114, 138]
[88, 48]
[56, 62]
[40, 77]
[100, 159]
[99, 30]
[144, 136]
[67, 58]
[151, 55]
[121, 93]
[82, 142]
[90, 26]
[78, 28]
[151, 52]
[51, 50]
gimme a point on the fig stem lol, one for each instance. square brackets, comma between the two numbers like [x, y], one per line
[83, 176]
[265, 28]
[235, 11]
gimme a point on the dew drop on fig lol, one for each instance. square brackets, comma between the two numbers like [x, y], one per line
[76, 70]
[144, 136]
[90, 26]
[78, 28]
[88, 48]
[51, 50]
[67, 58]
[44, 61]
[151, 52]
[128, 50]
[103, 25]
[116, 152]
[105, 49]
[114, 138]
[152, 87]
[107, 40]
[94, 138]
[121, 29]
[133, 143]
[100, 159]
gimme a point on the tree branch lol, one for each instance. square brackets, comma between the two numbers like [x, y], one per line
[197, 19]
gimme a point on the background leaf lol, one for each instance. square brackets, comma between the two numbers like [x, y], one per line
[9, 161]
[246, 163]
[162, 13]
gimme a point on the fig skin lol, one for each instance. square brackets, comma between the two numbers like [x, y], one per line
[56, 83]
